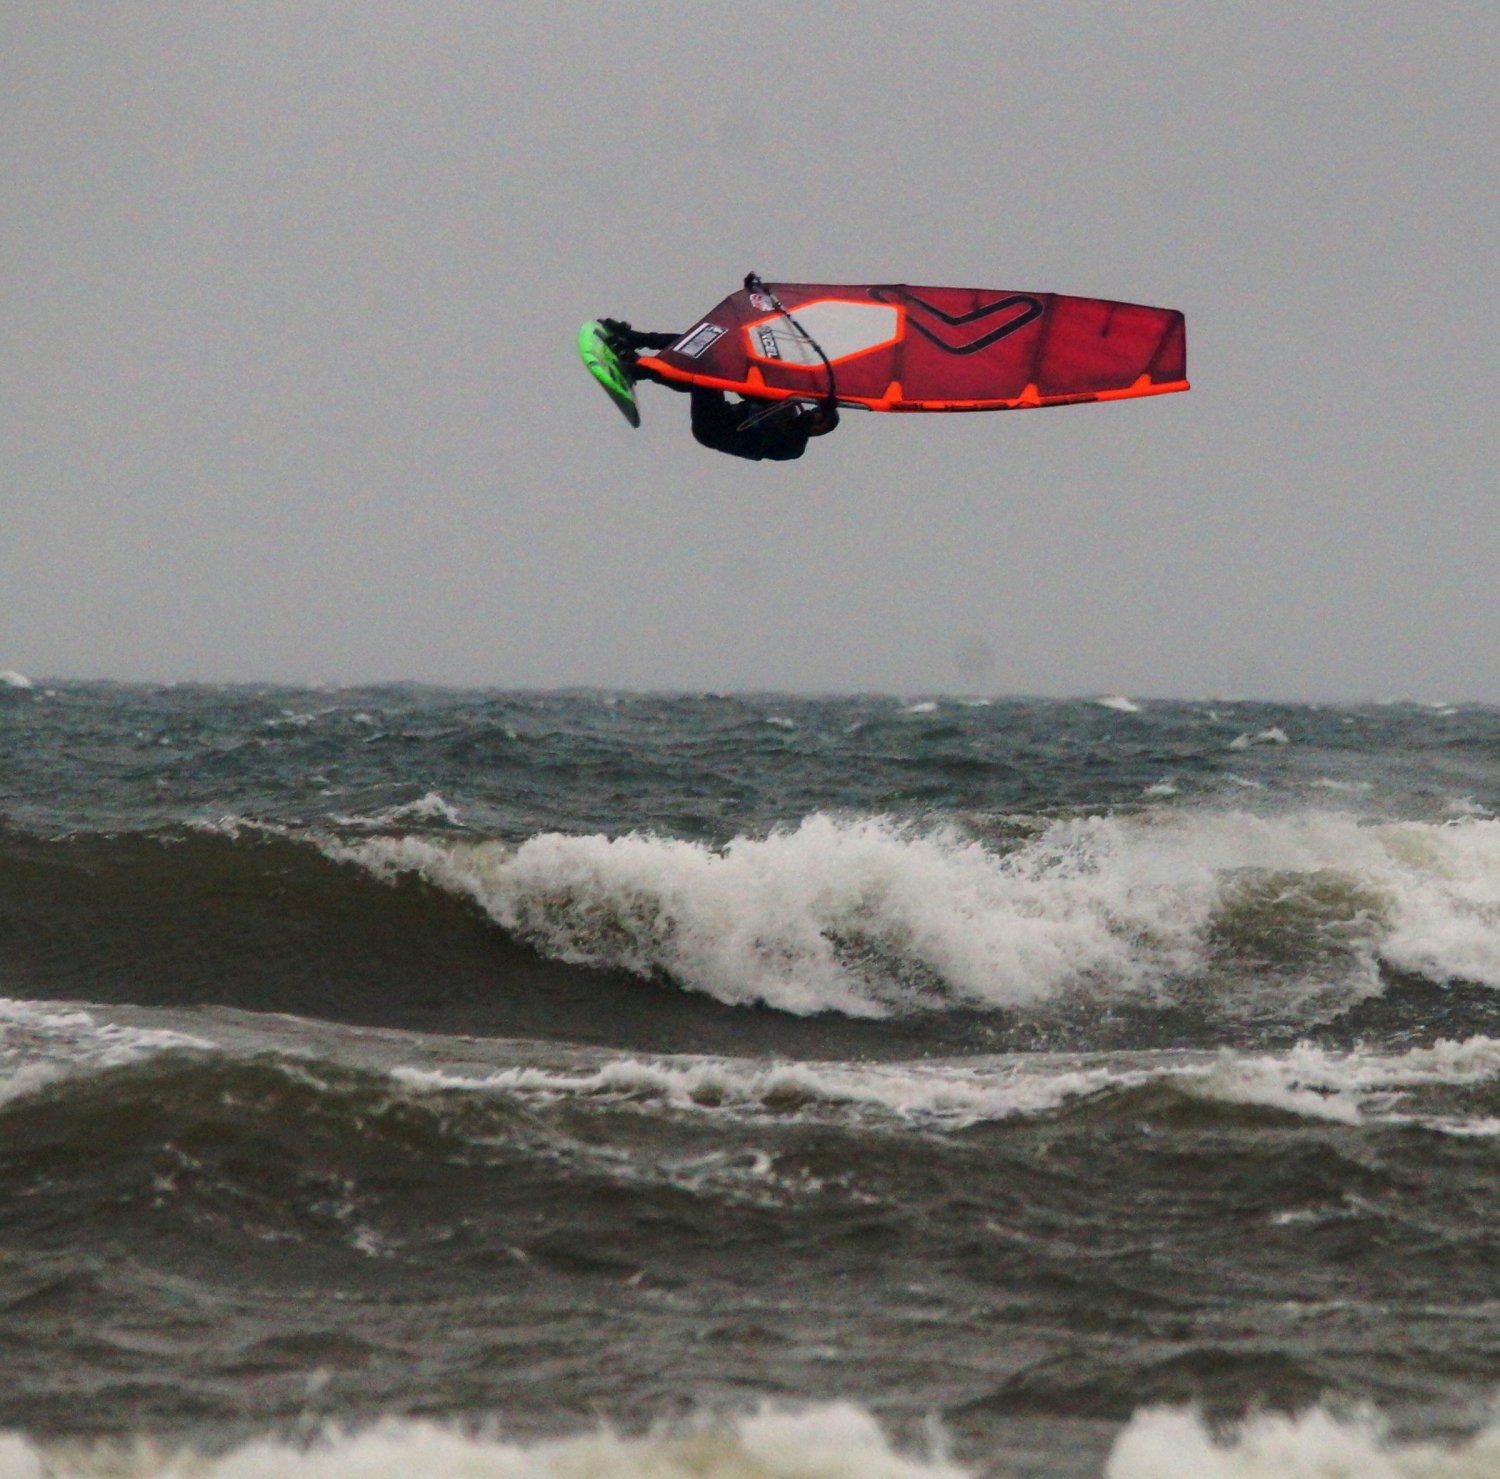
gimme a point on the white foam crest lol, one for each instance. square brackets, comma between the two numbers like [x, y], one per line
[869, 917]
[834, 1441]
[1446, 886]
[1305, 1082]
[1269, 1083]
[39, 1045]
[860, 917]
[295, 719]
[1473, 1061]
[950, 1095]
[28, 1079]
[1359, 1086]
[1485, 1128]
[1351, 1087]
[837, 1441]
[9, 678]
[1119, 703]
[1272, 736]
[231, 824]
[1174, 1443]
[428, 808]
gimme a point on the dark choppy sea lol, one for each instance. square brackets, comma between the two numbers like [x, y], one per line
[410, 1082]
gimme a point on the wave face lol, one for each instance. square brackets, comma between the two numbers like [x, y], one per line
[1194, 926]
[226, 1223]
[872, 918]
[555, 1083]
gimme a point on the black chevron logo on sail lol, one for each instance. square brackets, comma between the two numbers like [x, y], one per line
[1022, 308]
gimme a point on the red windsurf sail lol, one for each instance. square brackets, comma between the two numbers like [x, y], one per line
[893, 347]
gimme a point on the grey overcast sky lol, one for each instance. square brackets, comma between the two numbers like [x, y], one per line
[288, 387]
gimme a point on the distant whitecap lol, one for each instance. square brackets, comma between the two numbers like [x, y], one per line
[428, 808]
[1273, 736]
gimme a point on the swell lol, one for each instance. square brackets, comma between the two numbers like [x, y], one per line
[183, 1145]
[1254, 923]
[423, 1244]
[837, 938]
[266, 922]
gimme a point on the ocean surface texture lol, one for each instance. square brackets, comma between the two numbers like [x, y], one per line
[409, 1082]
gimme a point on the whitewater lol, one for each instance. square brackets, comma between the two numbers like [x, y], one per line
[472, 1083]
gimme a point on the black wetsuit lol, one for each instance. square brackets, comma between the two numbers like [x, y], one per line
[777, 433]
[749, 428]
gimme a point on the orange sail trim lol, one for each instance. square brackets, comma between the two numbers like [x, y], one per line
[755, 386]
[897, 348]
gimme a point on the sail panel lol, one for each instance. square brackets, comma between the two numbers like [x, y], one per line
[895, 347]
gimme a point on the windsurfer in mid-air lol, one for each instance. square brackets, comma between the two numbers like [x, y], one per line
[762, 430]
[772, 364]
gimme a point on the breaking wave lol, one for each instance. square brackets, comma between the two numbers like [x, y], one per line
[1225, 926]
[839, 1441]
[1176, 1443]
[1307, 1082]
[834, 1441]
[39, 1046]
[871, 918]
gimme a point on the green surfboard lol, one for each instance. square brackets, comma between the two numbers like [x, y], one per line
[604, 365]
